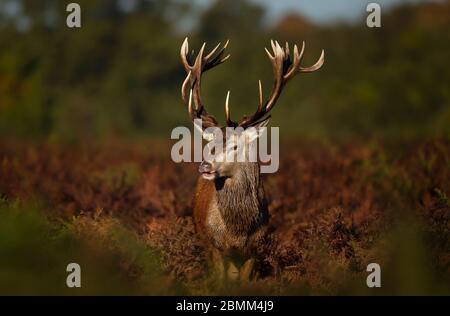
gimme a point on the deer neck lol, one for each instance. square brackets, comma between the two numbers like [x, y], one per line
[238, 198]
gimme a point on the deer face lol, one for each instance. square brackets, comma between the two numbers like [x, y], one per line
[226, 152]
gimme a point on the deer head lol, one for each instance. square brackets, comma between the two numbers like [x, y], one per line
[243, 133]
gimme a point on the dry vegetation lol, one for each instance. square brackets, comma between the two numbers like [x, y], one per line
[333, 210]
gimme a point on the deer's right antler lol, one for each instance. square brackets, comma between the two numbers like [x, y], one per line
[194, 74]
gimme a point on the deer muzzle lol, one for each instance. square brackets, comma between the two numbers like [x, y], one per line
[207, 171]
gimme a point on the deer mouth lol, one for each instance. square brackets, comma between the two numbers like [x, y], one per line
[209, 175]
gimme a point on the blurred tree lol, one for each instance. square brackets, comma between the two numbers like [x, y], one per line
[225, 19]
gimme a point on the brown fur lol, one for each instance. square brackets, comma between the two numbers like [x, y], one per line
[231, 213]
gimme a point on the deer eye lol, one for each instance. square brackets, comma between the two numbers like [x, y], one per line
[235, 147]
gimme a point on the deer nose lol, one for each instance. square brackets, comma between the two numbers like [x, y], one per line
[205, 167]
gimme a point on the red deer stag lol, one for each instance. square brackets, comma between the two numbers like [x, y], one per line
[230, 210]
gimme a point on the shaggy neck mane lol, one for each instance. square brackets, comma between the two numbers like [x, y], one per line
[238, 199]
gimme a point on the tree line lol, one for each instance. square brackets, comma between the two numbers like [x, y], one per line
[119, 75]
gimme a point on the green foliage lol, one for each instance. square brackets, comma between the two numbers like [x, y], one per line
[35, 253]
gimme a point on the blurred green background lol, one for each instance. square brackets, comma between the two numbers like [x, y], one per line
[119, 75]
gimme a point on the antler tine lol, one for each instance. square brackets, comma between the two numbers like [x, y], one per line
[274, 45]
[211, 53]
[300, 56]
[190, 104]
[317, 65]
[294, 67]
[183, 86]
[227, 110]
[218, 59]
[260, 104]
[184, 51]
[287, 51]
[268, 54]
[199, 62]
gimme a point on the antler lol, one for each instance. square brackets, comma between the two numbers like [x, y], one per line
[194, 74]
[284, 68]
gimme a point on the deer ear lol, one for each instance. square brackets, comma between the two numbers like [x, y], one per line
[257, 130]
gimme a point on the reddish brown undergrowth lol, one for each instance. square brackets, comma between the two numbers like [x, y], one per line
[330, 207]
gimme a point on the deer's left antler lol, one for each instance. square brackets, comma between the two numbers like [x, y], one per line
[194, 74]
[284, 68]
